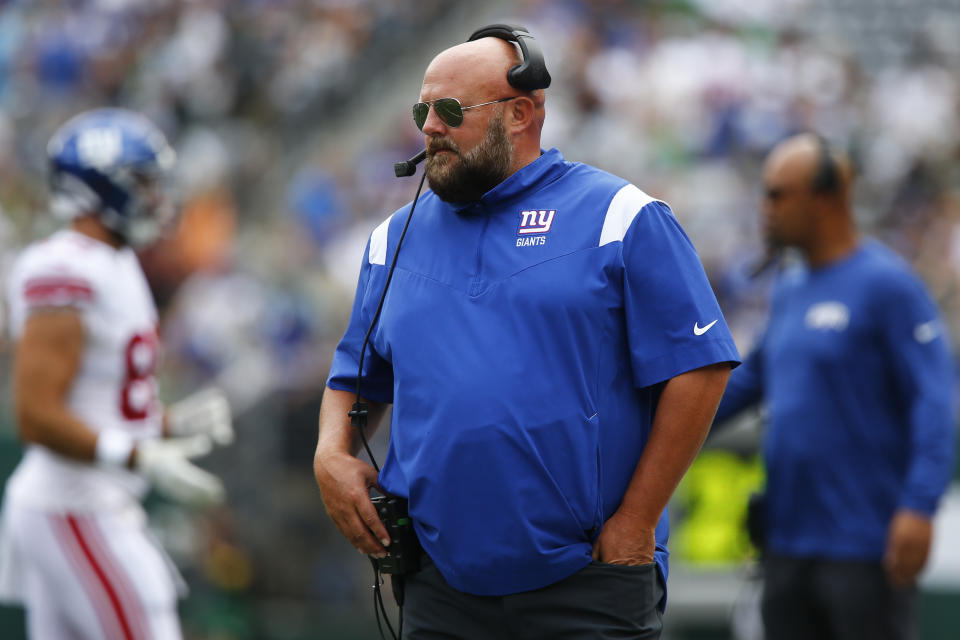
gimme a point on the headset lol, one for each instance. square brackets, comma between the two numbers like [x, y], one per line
[531, 74]
[826, 179]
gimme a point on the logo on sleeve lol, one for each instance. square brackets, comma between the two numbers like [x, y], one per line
[926, 332]
[699, 331]
[534, 224]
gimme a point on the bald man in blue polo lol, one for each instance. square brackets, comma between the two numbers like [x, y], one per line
[552, 356]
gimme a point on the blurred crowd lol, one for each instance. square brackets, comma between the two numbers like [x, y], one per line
[682, 97]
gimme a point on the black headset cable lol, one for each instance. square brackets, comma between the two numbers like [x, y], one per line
[358, 415]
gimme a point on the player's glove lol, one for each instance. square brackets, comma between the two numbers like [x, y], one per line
[166, 464]
[206, 412]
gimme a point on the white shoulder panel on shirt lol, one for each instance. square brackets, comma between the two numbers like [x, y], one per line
[378, 243]
[66, 269]
[66, 254]
[624, 207]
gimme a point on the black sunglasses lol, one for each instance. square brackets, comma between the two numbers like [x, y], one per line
[449, 110]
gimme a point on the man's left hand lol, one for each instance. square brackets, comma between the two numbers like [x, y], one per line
[622, 541]
[908, 546]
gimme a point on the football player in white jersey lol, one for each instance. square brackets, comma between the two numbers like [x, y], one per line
[75, 548]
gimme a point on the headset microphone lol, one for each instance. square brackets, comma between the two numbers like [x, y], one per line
[409, 167]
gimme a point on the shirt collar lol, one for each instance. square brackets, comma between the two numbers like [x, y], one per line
[542, 171]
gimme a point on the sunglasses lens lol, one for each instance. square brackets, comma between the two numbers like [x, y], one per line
[420, 111]
[449, 111]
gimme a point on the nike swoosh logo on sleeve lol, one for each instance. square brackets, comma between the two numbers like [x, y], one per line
[926, 332]
[699, 331]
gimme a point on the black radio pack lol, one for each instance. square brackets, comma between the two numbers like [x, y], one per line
[403, 554]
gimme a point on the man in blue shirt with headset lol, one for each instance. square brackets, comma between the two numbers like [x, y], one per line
[856, 375]
[554, 356]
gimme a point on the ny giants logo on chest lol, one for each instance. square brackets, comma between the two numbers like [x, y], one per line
[534, 224]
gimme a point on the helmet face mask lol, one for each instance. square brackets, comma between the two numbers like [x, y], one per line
[112, 163]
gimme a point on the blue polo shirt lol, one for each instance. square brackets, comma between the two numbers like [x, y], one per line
[857, 378]
[523, 342]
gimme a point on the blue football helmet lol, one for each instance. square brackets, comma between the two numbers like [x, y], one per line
[112, 163]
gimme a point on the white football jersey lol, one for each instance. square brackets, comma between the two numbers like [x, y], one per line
[114, 386]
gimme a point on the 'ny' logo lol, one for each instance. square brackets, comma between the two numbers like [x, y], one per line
[536, 221]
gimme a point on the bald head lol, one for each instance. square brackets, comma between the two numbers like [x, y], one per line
[478, 68]
[475, 72]
[803, 161]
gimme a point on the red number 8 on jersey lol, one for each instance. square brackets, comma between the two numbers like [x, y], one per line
[138, 394]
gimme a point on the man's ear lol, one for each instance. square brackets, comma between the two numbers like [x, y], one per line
[521, 113]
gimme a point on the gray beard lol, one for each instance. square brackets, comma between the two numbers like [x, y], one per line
[466, 177]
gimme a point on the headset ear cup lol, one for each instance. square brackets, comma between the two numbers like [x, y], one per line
[531, 74]
[516, 78]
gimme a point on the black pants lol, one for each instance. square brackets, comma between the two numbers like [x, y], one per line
[817, 599]
[599, 602]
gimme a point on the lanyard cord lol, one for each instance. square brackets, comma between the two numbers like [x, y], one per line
[380, 610]
[358, 415]
[358, 418]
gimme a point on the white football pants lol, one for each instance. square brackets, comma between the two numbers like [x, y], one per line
[92, 576]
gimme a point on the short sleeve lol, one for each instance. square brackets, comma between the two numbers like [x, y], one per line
[46, 275]
[377, 374]
[674, 323]
[57, 290]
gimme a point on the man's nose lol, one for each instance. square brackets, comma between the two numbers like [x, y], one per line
[433, 125]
